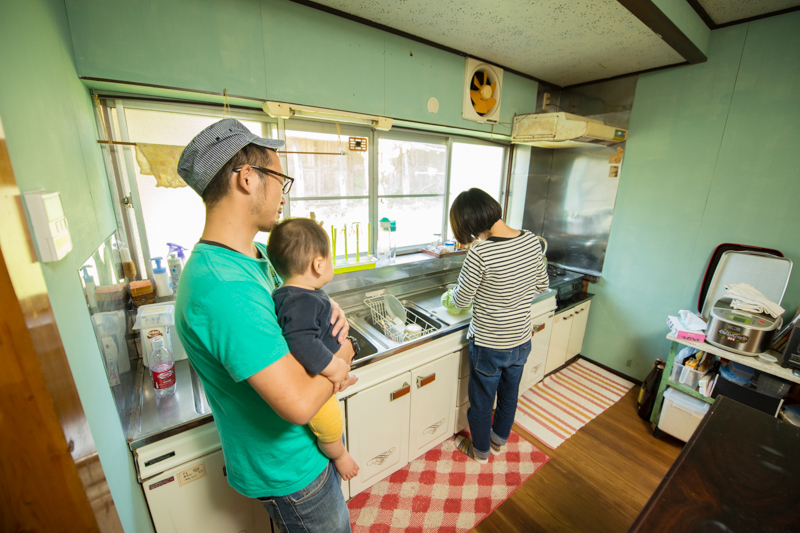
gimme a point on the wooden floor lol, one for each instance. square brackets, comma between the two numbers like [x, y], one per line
[596, 481]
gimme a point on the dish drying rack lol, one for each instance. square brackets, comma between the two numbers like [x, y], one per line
[392, 331]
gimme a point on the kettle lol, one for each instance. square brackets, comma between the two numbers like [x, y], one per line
[544, 250]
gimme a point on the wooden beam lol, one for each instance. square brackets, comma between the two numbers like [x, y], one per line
[659, 23]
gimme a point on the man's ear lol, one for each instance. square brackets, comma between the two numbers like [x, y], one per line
[246, 180]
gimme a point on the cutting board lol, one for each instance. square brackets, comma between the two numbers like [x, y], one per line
[449, 318]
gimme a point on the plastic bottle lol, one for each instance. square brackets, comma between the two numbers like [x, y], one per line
[161, 278]
[175, 263]
[647, 395]
[392, 241]
[88, 280]
[162, 369]
[384, 241]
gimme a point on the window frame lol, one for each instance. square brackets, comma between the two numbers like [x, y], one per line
[122, 171]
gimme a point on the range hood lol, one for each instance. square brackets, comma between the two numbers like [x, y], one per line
[563, 130]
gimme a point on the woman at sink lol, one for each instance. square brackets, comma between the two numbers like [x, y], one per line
[501, 274]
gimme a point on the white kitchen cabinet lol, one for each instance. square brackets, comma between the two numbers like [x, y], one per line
[345, 484]
[377, 428]
[566, 340]
[195, 496]
[559, 341]
[578, 329]
[540, 344]
[433, 391]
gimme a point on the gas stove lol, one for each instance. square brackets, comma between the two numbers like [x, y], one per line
[565, 283]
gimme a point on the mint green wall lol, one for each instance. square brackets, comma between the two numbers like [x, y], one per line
[712, 157]
[277, 50]
[48, 119]
[687, 20]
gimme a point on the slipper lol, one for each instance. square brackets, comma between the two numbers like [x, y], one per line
[464, 445]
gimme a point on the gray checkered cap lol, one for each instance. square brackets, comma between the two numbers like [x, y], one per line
[212, 148]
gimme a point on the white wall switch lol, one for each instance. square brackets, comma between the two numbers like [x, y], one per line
[50, 227]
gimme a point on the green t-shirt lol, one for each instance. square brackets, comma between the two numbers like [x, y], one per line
[225, 318]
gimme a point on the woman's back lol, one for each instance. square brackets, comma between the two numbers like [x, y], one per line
[500, 277]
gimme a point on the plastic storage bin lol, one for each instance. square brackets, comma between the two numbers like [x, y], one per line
[683, 375]
[681, 414]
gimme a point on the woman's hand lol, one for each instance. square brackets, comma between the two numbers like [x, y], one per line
[341, 328]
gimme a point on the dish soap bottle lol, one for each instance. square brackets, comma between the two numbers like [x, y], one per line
[175, 263]
[161, 278]
[88, 280]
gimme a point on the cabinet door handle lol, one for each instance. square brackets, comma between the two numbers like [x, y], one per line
[579, 311]
[421, 382]
[399, 393]
[567, 317]
[538, 327]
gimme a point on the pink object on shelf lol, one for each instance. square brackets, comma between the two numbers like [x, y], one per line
[679, 331]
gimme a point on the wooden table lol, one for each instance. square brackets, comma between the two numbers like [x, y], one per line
[740, 472]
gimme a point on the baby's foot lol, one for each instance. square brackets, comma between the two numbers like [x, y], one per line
[349, 380]
[346, 466]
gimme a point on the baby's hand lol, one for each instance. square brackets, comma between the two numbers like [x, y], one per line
[336, 372]
[350, 380]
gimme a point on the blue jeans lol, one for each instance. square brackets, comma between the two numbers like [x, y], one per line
[493, 372]
[320, 507]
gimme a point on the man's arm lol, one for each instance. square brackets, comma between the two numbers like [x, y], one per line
[290, 390]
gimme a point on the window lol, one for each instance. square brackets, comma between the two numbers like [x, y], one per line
[411, 187]
[475, 165]
[407, 176]
[336, 188]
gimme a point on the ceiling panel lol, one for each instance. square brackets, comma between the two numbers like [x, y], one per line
[561, 41]
[723, 11]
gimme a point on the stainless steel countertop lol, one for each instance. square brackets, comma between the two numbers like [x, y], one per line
[154, 418]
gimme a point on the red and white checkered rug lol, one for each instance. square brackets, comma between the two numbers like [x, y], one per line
[444, 490]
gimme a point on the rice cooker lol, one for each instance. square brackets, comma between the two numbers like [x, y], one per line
[740, 331]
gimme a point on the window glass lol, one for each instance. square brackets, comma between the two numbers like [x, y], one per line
[171, 215]
[337, 213]
[418, 218]
[411, 167]
[325, 175]
[475, 165]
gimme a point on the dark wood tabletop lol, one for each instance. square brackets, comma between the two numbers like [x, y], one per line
[740, 472]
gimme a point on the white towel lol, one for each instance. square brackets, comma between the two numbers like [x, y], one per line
[747, 298]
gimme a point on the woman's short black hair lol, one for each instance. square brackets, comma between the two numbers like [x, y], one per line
[473, 212]
[294, 243]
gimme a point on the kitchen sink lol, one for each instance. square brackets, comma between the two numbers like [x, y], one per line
[363, 319]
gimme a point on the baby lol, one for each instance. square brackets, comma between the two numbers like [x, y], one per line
[298, 249]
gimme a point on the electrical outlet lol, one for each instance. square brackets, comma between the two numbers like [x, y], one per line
[545, 101]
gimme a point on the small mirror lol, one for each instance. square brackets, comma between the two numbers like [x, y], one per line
[109, 303]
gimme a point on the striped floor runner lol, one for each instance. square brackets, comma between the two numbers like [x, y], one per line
[558, 406]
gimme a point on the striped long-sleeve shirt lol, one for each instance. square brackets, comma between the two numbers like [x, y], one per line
[500, 277]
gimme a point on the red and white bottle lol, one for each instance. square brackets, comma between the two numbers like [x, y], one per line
[162, 368]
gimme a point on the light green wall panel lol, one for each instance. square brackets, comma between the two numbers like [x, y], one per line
[313, 58]
[47, 117]
[205, 45]
[277, 50]
[687, 20]
[755, 195]
[676, 128]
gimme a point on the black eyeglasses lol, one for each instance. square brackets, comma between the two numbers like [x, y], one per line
[287, 181]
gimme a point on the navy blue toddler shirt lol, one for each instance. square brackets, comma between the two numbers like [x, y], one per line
[304, 315]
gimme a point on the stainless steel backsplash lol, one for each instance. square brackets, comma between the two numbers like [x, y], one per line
[570, 196]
